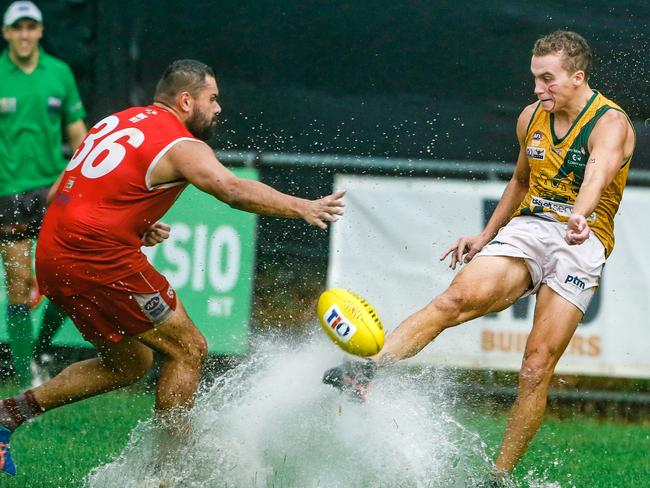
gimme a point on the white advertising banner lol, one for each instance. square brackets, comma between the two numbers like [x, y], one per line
[386, 248]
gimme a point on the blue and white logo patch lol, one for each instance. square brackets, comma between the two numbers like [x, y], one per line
[153, 307]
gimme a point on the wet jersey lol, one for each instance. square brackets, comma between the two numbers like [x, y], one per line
[92, 231]
[557, 169]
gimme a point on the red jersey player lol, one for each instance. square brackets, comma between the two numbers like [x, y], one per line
[125, 175]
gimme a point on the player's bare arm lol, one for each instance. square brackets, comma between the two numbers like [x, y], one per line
[195, 162]
[75, 133]
[52, 191]
[465, 248]
[611, 144]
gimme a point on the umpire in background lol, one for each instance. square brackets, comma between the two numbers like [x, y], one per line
[39, 103]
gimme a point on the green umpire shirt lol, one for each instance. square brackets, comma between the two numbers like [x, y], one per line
[34, 109]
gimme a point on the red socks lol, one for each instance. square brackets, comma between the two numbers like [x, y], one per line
[16, 410]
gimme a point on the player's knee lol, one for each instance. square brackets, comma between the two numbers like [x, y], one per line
[536, 370]
[199, 349]
[138, 366]
[454, 304]
[144, 364]
[194, 349]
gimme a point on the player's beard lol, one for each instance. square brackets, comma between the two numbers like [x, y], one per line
[201, 127]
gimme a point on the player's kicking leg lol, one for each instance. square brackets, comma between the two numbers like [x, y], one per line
[487, 284]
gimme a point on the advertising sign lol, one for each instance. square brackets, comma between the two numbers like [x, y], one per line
[387, 249]
[209, 260]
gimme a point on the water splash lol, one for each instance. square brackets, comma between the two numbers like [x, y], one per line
[270, 422]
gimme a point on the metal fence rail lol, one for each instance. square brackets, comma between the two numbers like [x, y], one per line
[481, 170]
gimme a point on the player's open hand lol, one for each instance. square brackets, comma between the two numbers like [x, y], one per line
[155, 234]
[326, 209]
[463, 250]
[577, 230]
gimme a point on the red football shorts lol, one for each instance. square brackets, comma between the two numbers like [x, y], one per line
[125, 308]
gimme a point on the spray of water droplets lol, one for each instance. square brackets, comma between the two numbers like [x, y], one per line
[270, 422]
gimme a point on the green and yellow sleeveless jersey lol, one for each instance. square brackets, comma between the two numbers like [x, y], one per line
[557, 169]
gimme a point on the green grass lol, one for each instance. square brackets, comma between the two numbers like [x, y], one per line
[579, 452]
[61, 447]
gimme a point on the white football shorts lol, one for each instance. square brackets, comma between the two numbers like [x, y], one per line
[573, 272]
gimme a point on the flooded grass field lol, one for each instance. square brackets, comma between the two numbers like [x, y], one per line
[269, 422]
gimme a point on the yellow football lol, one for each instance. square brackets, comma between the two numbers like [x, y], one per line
[350, 322]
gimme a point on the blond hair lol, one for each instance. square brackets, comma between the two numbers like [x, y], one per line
[574, 49]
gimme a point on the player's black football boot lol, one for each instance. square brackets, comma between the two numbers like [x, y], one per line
[352, 377]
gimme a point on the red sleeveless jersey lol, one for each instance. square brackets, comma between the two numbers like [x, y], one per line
[92, 231]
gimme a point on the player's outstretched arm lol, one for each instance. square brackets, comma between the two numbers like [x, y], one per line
[465, 248]
[611, 145]
[195, 162]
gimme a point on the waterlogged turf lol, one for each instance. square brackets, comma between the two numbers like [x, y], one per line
[61, 447]
[271, 423]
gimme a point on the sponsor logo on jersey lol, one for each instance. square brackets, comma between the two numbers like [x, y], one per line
[536, 153]
[61, 200]
[138, 117]
[577, 155]
[7, 105]
[69, 183]
[563, 209]
[341, 326]
[575, 281]
[536, 139]
[54, 102]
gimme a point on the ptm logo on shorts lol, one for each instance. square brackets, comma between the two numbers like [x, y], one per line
[575, 281]
[339, 324]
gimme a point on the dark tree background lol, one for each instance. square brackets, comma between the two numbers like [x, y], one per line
[411, 79]
[418, 79]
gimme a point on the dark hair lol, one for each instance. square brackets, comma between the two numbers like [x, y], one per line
[575, 51]
[182, 75]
